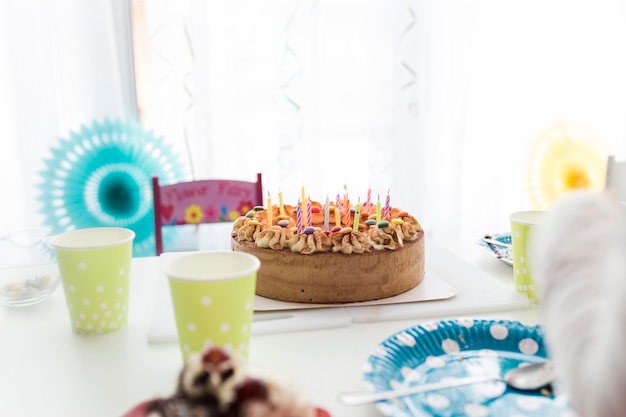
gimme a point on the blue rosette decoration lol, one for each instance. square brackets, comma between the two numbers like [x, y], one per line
[101, 177]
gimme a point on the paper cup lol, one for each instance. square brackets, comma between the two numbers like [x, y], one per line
[94, 265]
[213, 298]
[522, 224]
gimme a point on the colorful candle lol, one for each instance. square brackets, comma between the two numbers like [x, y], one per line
[387, 206]
[326, 213]
[281, 205]
[337, 219]
[303, 207]
[368, 202]
[357, 217]
[346, 212]
[378, 217]
[299, 217]
[308, 212]
[269, 209]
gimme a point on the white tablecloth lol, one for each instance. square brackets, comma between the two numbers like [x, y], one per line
[47, 370]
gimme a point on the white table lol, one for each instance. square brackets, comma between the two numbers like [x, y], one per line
[47, 370]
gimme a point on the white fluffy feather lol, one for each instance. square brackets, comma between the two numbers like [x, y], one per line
[579, 253]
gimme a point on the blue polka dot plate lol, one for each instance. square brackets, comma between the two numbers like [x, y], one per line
[450, 349]
[502, 252]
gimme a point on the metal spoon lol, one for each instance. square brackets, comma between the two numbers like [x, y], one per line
[526, 378]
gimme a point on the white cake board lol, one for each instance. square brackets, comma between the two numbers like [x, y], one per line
[478, 292]
[432, 288]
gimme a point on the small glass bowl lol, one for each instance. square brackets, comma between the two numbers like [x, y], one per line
[28, 270]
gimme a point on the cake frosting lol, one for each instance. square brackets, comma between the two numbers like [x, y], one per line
[369, 258]
[386, 234]
[216, 383]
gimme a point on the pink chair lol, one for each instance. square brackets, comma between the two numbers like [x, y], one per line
[202, 201]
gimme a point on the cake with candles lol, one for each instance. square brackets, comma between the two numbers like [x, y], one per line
[332, 252]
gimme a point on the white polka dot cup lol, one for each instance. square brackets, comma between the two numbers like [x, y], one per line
[522, 223]
[95, 265]
[213, 298]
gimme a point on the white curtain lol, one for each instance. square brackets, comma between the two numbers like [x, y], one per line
[312, 93]
[438, 102]
[63, 64]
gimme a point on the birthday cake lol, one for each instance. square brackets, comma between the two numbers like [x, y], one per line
[333, 252]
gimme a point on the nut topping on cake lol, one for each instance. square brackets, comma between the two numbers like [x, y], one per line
[348, 238]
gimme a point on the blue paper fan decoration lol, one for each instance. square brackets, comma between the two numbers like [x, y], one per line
[101, 176]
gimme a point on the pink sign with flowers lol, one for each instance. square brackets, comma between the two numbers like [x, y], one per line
[206, 201]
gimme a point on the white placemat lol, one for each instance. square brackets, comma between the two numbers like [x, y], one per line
[272, 316]
[446, 275]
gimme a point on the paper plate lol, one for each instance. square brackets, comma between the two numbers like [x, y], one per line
[502, 253]
[451, 349]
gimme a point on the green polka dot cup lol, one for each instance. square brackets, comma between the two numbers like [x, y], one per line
[522, 223]
[94, 265]
[213, 298]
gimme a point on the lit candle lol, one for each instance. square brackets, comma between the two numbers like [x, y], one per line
[326, 212]
[308, 212]
[357, 217]
[281, 206]
[299, 217]
[378, 219]
[387, 206]
[269, 209]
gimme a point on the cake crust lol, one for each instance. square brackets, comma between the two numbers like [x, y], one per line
[332, 278]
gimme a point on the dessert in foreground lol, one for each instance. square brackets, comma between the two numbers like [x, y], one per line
[216, 384]
[332, 253]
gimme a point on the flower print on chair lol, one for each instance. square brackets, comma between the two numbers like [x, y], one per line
[193, 214]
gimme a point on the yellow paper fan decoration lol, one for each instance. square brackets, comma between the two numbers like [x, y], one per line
[565, 157]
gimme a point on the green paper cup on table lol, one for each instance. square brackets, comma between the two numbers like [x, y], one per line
[94, 265]
[522, 224]
[213, 297]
